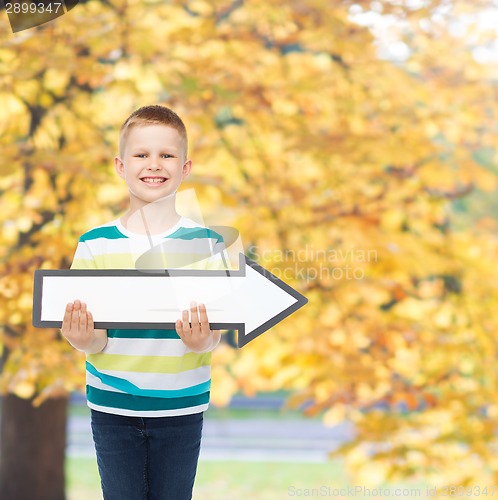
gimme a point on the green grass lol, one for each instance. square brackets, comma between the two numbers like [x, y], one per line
[241, 480]
[82, 479]
[220, 479]
[260, 480]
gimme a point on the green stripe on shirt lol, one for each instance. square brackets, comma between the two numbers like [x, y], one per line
[191, 233]
[108, 232]
[126, 386]
[149, 364]
[142, 403]
[143, 334]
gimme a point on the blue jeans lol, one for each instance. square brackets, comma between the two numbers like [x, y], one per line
[147, 458]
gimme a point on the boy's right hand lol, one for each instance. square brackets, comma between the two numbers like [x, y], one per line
[78, 329]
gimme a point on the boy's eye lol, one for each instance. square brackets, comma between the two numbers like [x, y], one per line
[140, 155]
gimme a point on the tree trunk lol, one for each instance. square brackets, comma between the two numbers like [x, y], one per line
[32, 447]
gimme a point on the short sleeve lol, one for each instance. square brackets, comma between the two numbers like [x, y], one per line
[83, 258]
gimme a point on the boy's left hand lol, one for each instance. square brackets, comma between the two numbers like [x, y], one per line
[198, 337]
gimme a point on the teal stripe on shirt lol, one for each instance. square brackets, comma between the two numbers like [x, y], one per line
[130, 388]
[143, 334]
[108, 232]
[190, 233]
[142, 403]
[184, 233]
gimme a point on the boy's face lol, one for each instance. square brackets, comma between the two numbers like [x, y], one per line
[153, 165]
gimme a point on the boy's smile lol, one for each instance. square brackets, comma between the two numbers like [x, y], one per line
[153, 180]
[153, 164]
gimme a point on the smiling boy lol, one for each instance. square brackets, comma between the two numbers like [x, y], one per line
[147, 389]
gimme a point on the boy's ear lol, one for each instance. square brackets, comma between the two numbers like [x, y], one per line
[187, 167]
[119, 167]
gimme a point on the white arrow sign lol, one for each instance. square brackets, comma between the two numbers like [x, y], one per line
[250, 300]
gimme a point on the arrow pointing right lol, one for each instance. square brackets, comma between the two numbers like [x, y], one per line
[250, 300]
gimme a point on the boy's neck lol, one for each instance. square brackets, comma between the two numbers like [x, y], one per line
[151, 218]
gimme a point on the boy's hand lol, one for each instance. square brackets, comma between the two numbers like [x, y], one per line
[77, 328]
[198, 337]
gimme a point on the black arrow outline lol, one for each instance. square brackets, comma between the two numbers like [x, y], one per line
[243, 339]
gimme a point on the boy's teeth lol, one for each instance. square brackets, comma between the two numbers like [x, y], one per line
[154, 180]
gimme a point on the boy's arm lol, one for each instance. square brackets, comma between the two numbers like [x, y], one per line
[196, 334]
[77, 325]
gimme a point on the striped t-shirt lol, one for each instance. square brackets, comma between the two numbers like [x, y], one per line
[148, 372]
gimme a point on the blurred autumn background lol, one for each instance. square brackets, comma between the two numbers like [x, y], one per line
[352, 144]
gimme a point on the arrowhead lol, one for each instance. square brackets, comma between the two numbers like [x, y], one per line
[268, 300]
